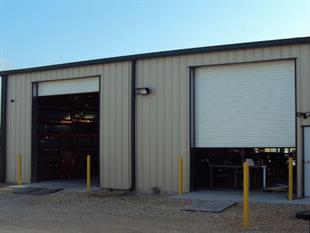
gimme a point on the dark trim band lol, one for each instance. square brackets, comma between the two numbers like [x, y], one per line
[34, 137]
[133, 125]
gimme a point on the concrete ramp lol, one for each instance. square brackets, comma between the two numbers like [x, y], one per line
[25, 190]
[237, 196]
[209, 206]
[35, 191]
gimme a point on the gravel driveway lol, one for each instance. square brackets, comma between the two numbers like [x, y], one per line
[104, 212]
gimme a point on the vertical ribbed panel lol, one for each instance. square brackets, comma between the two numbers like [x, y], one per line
[114, 120]
[162, 123]
[115, 126]
[161, 135]
[163, 116]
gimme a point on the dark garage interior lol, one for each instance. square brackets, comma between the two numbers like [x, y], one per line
[222, 168]
[67, 130]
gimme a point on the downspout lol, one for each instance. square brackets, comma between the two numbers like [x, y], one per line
[3, 128]
[133, 125]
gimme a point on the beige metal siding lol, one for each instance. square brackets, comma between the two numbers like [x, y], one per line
[162, 123]
[115, 147]
[163, 116]
[115, 120]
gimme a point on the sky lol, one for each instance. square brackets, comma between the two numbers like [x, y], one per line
[43, 32]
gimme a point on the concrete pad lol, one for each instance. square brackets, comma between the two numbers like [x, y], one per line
[209, 206]
[65, 185]
[237, 196]
[46, 191]
[26, 190]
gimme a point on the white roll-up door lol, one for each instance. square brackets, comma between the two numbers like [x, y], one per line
[245, 105]
[68, 86]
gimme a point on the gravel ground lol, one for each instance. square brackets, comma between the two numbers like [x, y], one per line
[105, 212]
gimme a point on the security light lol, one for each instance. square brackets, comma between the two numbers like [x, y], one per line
[143, 91]
[305, 115]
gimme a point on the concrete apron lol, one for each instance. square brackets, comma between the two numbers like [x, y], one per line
[237, 196]
[67, 186]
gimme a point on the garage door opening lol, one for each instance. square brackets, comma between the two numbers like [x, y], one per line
[65, 130]
[221, 168]
[242, 111]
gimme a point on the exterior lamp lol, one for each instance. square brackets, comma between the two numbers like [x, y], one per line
[305, 115]
[143, 91]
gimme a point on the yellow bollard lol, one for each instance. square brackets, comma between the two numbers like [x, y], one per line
[245, 194]
[180, 175]
[88, 178]
[19, 169]
[290, 179]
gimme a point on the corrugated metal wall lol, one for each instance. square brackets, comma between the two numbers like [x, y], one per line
[163, 117]
[115, 119]
[162, 123]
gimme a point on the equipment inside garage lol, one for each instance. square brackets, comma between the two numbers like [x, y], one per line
[222, 167]
[243, 111]
[67, 130]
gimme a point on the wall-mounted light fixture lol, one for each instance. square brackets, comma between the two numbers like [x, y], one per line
[143, 91]
[305, 115]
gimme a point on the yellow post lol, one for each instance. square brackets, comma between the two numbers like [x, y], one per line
[245, 194]
[19, 169]
[180, 176]
[290, 179]
[88, 179]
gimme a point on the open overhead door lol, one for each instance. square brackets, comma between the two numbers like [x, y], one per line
[245, 105]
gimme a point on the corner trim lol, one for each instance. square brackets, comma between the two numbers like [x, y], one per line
[3, 128]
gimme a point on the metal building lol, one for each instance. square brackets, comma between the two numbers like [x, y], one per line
[247, 95]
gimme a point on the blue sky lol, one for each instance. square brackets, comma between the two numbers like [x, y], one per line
[35, 33]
